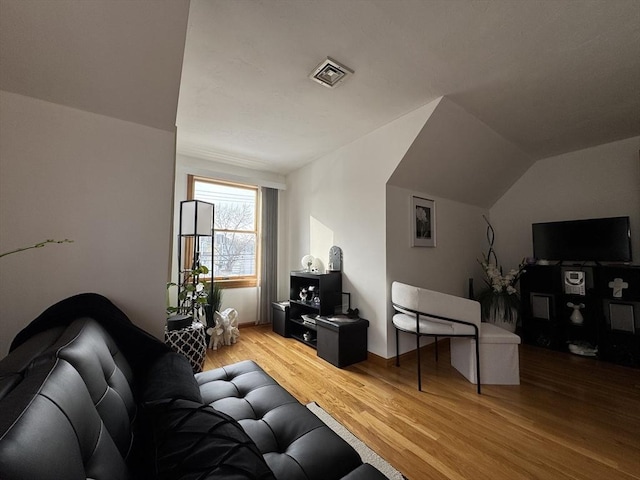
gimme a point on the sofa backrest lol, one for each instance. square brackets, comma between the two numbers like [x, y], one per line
[84, 362]
[50, 429]
[107, 375]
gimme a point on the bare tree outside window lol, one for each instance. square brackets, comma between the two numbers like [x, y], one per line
[235, 240]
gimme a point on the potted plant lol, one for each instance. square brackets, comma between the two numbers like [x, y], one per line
[500, 301]
[214, 302]
[193, 294]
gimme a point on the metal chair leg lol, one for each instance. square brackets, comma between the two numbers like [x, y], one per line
[419, 372]
[436, 348]
[478, 362]
[397, 350]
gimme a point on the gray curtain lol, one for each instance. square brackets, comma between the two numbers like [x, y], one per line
[269, 259]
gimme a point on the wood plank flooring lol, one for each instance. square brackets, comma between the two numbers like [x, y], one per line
[571, 417]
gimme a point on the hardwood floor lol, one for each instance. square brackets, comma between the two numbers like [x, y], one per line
[571, 417]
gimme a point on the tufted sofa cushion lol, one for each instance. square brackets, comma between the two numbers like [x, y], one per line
[294, 442]
[94, 354]
[88, 354]
[50, 413]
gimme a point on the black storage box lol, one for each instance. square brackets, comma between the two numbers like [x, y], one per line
[343, 341]
[281, 318]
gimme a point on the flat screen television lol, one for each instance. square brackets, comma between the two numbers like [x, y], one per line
[596, 239]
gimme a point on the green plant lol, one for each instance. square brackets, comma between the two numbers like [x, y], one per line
[214, 302]
[193, 294]
[37, 245]
[214, 296]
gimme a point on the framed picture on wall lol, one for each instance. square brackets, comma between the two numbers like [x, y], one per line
[423, 222]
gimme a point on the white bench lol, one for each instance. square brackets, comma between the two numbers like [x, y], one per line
[499, 360]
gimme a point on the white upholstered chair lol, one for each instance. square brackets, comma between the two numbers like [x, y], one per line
[423, 312]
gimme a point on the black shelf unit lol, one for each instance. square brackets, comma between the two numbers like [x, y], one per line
[328, 290]
[611, 322]
[327, 286]
[540, 294]
[337, 339]
[621, 315]
[302, 328]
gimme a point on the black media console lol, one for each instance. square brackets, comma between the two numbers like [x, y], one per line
[606, 299]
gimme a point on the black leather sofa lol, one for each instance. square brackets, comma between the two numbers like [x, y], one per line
[86, 394]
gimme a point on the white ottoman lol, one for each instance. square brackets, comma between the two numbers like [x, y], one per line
[499, 361]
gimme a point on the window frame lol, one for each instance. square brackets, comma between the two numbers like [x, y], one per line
[236, 281]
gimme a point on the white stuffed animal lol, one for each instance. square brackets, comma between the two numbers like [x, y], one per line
[216, 332]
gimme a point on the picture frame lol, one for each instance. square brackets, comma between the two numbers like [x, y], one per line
[423, 222]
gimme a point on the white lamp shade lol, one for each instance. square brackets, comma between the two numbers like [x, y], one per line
[196, 217]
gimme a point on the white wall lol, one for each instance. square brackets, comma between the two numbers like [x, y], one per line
[106, 184]
[460, 242]
[602, 181]
[342, 196]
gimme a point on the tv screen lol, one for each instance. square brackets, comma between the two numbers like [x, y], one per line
[597, 239]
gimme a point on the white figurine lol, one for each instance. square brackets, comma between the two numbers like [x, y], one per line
[230, 324]
[216, 332]
[225, 330]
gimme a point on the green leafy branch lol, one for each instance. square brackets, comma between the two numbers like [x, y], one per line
[37, 245]
[193, 294]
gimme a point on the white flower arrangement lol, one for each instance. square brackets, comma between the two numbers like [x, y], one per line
[498, 282]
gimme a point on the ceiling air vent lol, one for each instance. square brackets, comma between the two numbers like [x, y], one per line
[330, 73]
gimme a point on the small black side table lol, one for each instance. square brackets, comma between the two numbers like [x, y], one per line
[191, 342]
[342, 341]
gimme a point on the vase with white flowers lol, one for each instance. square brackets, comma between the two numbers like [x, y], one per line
[500, 302]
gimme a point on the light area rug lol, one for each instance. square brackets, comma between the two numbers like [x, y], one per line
[367, 455]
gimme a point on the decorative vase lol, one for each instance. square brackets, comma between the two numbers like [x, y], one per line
[576, 317]
[501, 309]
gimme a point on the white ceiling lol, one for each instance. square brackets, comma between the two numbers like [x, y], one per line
[548, 76]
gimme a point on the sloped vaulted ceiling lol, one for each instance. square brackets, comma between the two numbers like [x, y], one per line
[549, 76]
[456, 156]
[121, 59]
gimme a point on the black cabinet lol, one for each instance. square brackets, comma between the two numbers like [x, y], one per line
[587, 310]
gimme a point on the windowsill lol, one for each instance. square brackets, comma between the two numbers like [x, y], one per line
[237, 283]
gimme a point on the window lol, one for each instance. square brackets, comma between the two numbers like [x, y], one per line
[235, 241]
